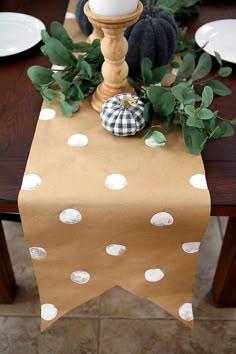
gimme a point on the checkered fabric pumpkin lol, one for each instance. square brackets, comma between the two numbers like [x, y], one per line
[122, 114]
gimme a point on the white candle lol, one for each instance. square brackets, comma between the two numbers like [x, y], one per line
[113, 7]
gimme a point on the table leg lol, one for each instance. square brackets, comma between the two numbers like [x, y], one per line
[224, 284]
[7, 279]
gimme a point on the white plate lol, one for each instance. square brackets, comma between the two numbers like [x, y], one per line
[220, 37]
[18, 32]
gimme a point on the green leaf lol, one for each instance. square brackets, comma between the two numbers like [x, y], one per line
[146, 114]
[59, 32]
[215, 133]
[44, 35]
[74, 106]
[154, 92]
[40, 75]
[58, 53]
[85, 71]
[218, 58]
[207, 96]
[188, 94]
[194, 121]
[190, 110]
[233, 121]
[178, 92]
[170, 122]
[165, 104]
[148, 134]
[43, 50]
[182, 120]
[82, 47]
[218, 87]
[146, 70]
[75, 92]
[96, 43]
[63, 84]
[225, 129]
[158, 73]
[203, 67]
[204, 113]
[196, 97]
[174, 64]
[194, 139]
[224, 72]
[186, 67]
[65, 107]
[49, 93]
[229, 130]
[158, 137]
[166, 3]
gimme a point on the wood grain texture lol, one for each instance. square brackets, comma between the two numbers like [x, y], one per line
[7, 279]
[219, 155]
[114, 48]
[20, 103]
[224, 285]
[219, 158]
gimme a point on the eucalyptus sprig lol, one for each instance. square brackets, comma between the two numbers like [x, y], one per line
[182, 101]
[187, 101]
[76, 76]
[178, 8]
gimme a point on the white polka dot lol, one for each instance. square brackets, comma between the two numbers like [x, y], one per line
[115, 250]
[198, 181]
[57, 67]
[80, 277]
[162, 219]
[116, 182]
[47, 114]
[30, 181]
[70, 15]
[151, 142]
[191, 247]
[186, 311]
[48, 312]
[70, 216]
[174, 71]
[153, 275]
[78, 140]
[37, 252]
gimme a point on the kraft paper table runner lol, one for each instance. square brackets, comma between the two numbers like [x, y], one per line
[99, 211]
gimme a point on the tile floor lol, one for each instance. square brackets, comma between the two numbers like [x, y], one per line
[117, 322]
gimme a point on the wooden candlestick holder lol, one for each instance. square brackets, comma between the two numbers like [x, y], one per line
[114, 48]
[96, 34]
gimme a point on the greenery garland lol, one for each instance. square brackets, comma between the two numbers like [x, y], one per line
[186, 101]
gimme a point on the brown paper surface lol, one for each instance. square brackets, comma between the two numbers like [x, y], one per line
[74, 178]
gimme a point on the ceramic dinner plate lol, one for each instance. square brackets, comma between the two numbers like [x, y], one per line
[220, 37]
[18, 32]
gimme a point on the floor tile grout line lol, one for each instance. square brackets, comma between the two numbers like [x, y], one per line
[220, 228]
[98, 335]
[99, 324]
[128, 318]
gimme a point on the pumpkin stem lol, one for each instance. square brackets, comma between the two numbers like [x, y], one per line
[127, 101]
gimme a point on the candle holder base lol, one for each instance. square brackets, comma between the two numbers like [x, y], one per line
[103, 92]
[114, 48]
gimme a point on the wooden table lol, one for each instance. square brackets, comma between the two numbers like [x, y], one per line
[19, 108]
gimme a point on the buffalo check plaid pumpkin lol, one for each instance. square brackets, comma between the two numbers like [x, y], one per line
[122, 114]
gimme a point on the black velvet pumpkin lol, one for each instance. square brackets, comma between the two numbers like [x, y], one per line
[82, 20]
[155, 36]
